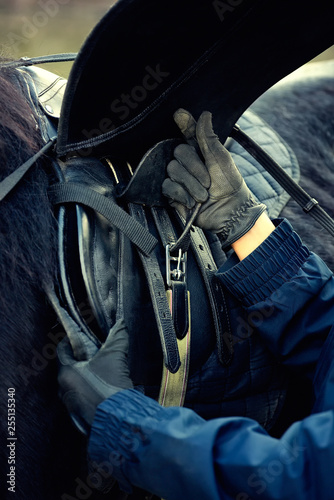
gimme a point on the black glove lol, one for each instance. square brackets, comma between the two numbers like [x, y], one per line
[228, 207]
[83, 385]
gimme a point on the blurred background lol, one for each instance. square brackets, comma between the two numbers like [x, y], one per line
[37, 27]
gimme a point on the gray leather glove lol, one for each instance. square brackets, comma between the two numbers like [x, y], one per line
[83, 385]
[228, 207]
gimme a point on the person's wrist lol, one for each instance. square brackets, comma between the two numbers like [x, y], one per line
[245, 245]
[243, 213]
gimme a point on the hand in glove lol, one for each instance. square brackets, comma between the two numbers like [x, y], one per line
[83, 385]
[228, 207]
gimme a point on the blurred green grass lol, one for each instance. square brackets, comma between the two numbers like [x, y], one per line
[37, 27]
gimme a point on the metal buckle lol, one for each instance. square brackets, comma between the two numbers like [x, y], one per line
[175, 272]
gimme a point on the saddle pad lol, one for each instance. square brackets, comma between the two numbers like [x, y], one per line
[259, 181]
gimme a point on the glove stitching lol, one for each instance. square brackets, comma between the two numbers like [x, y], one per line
[235, 218]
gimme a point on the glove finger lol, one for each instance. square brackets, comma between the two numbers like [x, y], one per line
[218, 160]
[207, 139]
[189, 158]
[180, 175]
[182, 210]
[176, 193]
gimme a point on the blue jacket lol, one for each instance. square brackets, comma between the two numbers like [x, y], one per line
[176, 454]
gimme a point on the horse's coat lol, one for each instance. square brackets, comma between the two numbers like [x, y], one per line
[301, 109]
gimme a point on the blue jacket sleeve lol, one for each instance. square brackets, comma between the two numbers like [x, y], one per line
[288, 295]
[175, 454]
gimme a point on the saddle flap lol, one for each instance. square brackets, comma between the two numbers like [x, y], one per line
[145, 59]
[89, 252]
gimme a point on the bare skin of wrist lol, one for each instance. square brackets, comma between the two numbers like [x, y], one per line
[245, 245]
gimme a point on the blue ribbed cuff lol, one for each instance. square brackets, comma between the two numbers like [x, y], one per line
[115, 437]
[273, 263]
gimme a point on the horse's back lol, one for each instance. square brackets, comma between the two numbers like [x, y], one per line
[301, 109]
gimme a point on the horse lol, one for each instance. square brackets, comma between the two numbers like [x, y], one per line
[28, 233]
[48, 458]
[300, 109]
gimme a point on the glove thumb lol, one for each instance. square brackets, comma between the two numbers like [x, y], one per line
[117, 340]
[187, 125]
[207, 140]
[218, 160]
[65, 352]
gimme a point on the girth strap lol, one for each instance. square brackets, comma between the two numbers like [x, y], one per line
[68, 192]
[174, 385]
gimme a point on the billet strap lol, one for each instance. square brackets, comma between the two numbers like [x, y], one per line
[215, 292]
[159, 301]
[72, 192]
[308, 204]
[207, 266]
[168, 238]
[174, 385]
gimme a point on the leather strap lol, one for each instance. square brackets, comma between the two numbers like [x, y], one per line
[158, 295]
[179, 307]
[215, 293]
[174, 385]
[213, 285]
[308, 204]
